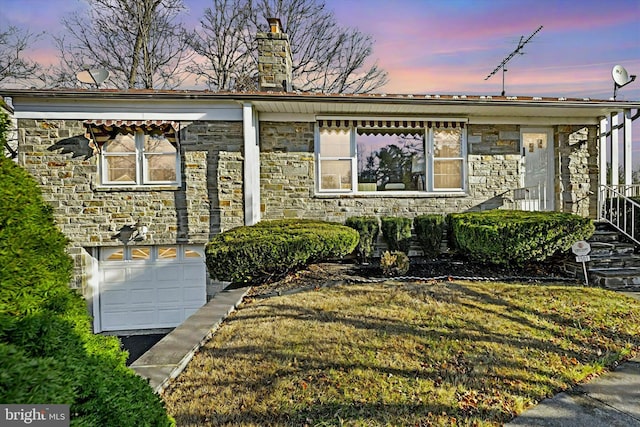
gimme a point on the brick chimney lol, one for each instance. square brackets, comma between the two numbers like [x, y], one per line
[275, 64]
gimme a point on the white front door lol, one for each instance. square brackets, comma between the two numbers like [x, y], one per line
[150, 287]
[538, 179]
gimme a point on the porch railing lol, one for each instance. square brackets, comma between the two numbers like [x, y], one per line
[532, 198]
[619, 206]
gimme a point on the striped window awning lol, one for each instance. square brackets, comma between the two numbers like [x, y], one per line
[388, 124]
[100, 131]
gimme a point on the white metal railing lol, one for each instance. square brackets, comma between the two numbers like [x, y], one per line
[618, 209]
[532, 198]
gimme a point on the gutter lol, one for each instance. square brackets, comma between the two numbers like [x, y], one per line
[510, 101]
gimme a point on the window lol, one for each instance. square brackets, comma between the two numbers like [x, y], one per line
[336, 159]
[135, 152]
[146, 254]
[448, 160]
[403, 156]
[139, 158]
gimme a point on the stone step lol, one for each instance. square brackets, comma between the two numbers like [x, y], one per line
[604, 236]
[614, 261]
[602, 226]
[605, 249]
[616, 278]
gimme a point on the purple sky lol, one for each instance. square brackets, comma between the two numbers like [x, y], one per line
[449, 47]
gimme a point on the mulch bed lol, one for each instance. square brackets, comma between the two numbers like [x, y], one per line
[321, 274]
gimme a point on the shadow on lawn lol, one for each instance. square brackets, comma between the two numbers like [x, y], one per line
[486, 378]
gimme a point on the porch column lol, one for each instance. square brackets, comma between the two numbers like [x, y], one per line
[603, 151]
[615, 153]
[628, 152]
[251, 164]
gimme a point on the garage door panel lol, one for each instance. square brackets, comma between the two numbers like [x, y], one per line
[166, 273]
[193, 294]
[150, 293]
[115, 297]
[169, 295]
[112, 276]
[124, 318]
[140, 274]
[142, 296]
[194, 272]
[171, 315]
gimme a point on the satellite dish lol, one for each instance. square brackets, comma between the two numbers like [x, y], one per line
[93, 76]
[620, 78]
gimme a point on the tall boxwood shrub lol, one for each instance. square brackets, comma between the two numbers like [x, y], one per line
[515, 237]
[429, 229]
[48, 352]
[251, 254]
[368, 229]
[396, 231]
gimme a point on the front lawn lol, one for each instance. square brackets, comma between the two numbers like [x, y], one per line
[417, 353]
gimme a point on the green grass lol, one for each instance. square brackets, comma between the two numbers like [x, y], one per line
[424, 354]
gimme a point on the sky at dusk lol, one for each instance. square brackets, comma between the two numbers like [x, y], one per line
[449, 47]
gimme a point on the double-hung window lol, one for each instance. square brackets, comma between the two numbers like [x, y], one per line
[136, 155]
[365, 156]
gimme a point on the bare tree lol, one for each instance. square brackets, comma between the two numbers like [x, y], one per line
[224, 46]
[326, 57]
[14, 66]
[141, 42]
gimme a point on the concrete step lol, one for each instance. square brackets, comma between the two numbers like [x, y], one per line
[616, 278]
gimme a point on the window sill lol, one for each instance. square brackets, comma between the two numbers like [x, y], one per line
[393, 194]
[114, 188]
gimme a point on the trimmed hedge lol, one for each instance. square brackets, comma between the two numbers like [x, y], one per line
[251, 254]
[429, 229]
[368, 229]
[396, 231]
[48, 352]
[514, 237]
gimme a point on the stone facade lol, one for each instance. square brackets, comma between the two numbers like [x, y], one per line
[288, 178]
[209, 199]
[577, 163]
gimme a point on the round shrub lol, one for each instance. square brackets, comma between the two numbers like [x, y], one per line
[515, 237]
[48, 351]
[269, 249]
[394, 263]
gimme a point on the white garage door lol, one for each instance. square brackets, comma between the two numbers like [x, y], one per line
[148, 287]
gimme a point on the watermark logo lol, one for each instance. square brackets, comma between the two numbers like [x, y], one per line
[34, 415]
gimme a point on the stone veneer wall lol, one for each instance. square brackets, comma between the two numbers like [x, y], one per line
[288, 182]
[577, 163]
[494, 169]
[209, 199]
[275, 63]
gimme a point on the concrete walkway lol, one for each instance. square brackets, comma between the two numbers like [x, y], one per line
[169, 356]
[612, 399]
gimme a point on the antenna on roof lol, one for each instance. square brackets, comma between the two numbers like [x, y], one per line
[517, 50]
[94, 76]
[620, 78]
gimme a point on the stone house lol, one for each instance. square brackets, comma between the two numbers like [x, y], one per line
[139, 180]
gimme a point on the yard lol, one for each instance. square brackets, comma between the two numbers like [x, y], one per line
[402, 353]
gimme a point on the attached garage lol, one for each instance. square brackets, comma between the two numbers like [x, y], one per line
[149, 287]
